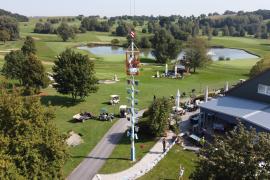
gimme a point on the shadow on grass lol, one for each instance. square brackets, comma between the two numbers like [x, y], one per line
[142, 138]
[101, 158]
[106, 103]
[147, 60]
[56, 100]
[245, 74]
[264, 44]
[75, 121]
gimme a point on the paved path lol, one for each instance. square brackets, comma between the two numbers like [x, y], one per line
[185, 124]
[149, 160]
[144, 165]
[98, 156]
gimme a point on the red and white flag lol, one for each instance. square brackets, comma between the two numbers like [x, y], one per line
[132, 34]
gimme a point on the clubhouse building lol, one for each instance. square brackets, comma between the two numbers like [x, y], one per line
[248, 102]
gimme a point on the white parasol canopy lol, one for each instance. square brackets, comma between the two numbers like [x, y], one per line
[226, 87]
[206, 94]
[177, 99]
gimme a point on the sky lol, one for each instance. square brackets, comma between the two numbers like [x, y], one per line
[122, 7]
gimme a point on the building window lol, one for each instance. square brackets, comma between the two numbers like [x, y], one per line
[264, 89]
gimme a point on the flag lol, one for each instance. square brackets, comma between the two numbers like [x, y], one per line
[132, 34]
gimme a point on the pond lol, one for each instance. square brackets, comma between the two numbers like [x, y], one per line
[215, 53]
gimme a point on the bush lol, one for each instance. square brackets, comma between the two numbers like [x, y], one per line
[145, 127]
[82, 29]
[144, 30]
[228, 59]
[221, 58]
[174, 128]
[115, 41]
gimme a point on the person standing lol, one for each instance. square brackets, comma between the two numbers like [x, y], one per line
[181, 172]
[164, 144]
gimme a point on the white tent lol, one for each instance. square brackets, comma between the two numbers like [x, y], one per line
[226, 87]
[206, 94]
[115, 78]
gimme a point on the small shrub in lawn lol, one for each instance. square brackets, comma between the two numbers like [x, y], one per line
[228, 59]
[144, 30]
[115, 41]
[221, 58]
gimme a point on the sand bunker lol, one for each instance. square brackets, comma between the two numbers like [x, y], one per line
[106, 81]
[74, 139]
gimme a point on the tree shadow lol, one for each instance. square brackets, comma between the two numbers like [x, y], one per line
[192, 72]
[147, 60]
[246, 74]
[75, 121]
[142, 138]
[56, 100]
[106, 103]
[265, 44]
[115, 138]
[101, 158]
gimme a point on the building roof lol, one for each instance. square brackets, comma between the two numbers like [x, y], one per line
[254, 112]
[249, 88]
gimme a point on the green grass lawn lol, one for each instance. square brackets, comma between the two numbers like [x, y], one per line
[214, 75]
[260, 47]
[168, 168]
[120, 158]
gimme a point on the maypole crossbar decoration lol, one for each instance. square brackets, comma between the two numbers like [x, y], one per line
[132, 69]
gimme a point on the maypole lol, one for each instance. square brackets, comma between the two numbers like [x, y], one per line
[132, 70]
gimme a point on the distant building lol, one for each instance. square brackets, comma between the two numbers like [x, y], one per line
[248, 102]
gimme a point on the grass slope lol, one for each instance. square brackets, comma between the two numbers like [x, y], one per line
[168, 168]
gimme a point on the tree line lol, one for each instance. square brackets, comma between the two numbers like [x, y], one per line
[18, 17]
[9, 28]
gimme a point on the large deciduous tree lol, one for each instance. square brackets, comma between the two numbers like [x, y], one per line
[26, 67]
[30, 145]
[10, 25]
[13, 66]
[241, 154]
[196, 53]
[34, 75]
[159, 113]
[74, 74]
[65, 31]
[165, 46]
[4, 36]
[29, 46]
[145, 43]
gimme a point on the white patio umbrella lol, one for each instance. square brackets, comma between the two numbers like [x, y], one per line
[115, 77]
[166, 69]
[175, 70]
[206, 94]
[226, 87]
[177, 100]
